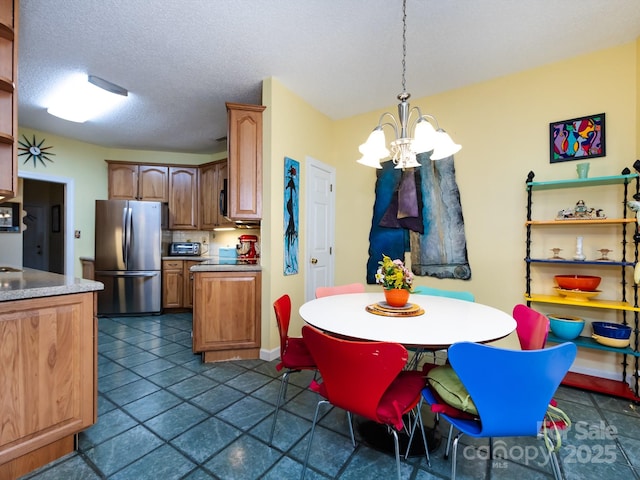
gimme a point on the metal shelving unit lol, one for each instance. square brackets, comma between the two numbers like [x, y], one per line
[630, 237]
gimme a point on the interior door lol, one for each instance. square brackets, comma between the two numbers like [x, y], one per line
[35, 241]
[320, 200]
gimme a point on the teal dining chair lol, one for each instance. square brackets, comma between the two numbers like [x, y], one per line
[437, 292]
[511, 402]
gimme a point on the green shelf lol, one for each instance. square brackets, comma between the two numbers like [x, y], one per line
[588, 342]
[582, 182]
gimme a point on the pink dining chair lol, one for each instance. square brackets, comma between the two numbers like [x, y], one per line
[532, 327]
[294, 355]
[339, 289]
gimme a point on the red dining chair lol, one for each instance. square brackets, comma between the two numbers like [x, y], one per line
[339, 289]
[532, 327]
[294, 355]
[366, 379]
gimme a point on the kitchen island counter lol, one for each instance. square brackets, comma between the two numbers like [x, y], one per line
[215, 264]
[30, 283]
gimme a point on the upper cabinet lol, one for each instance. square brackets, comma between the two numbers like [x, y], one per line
[8, 98]
[129, 181]
[244, 139]
[213, 195]
[183, 198]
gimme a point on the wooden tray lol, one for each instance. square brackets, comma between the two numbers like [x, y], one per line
[386, 310]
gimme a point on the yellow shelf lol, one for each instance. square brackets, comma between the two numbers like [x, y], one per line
[595, 303]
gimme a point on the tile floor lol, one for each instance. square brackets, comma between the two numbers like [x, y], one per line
[165, 415]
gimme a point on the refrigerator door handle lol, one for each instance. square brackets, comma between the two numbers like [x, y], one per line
[127, 274]
[127, 235]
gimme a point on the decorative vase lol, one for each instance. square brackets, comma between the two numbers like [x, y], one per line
[396, 297]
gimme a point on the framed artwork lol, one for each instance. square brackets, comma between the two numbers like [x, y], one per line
[9, 217]
[55, 219]
[577, 138]
[291, 221]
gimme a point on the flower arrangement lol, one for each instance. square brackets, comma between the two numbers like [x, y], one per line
[392, 274]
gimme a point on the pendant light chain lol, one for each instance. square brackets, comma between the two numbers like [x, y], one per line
[404, 44]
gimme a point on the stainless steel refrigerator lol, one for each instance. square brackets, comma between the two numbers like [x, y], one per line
[128, 256]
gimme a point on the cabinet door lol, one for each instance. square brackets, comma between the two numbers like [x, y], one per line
[245, 161]
[226, 311]
[172, 283]
[212, 185]
[123, 181]
[187, 294]
[153, 183]
[8, 98]
[183, 198]
[49, 382]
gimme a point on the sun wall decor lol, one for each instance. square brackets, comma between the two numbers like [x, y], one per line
[34, 151]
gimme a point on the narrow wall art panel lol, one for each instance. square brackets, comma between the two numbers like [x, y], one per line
[291, 221]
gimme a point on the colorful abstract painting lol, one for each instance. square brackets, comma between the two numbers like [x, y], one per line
[291, 222]
[577, 138]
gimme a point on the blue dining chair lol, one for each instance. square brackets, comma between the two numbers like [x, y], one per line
[511, 391]
[436, 292]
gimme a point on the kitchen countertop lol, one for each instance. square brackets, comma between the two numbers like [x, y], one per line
[215, 264]
[30, 283]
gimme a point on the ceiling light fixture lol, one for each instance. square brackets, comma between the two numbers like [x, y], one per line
[83, 97]
[404, 148]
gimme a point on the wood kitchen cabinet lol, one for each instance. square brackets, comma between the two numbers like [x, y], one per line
[131, 181]
[226, 314]
[244, 139]
[48, 377]
[8, 98]
[183, 198]
[213, 195]
[177, 283]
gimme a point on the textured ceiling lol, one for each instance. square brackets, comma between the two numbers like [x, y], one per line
[182, 60]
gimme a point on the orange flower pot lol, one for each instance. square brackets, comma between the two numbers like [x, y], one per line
[396, 297]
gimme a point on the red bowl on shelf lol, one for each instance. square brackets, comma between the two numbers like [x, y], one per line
[586, 283]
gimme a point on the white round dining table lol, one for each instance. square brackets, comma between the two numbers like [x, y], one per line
[445, 321]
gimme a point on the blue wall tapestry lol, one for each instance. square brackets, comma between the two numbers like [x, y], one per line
[291, 222]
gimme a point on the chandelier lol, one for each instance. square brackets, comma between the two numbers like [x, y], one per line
[405, 148]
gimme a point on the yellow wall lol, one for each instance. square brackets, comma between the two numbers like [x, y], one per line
[294, 129]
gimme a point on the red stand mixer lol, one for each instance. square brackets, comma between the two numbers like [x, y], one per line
[248, 248]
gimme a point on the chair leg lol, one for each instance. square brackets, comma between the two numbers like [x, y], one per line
[397, 450]
[284, 382]
[350, 420]
[313, 429]
[555, 466]
[424, 438]
[446, 451]
[454, 457]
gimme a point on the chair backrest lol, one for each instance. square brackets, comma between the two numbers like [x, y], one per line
[532, 327]
[282, 307]
[339, 289]
[511, 388]
[439, 292]
[355, 374]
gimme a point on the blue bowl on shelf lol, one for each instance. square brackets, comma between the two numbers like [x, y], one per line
[611, 330]
[566, 327]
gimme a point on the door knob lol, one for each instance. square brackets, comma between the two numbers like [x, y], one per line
[314, 261]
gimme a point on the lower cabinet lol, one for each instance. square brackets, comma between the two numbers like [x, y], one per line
[226, 314]
[177, 283]
[48, 351]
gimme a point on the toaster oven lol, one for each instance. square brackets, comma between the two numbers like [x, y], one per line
[185, 249]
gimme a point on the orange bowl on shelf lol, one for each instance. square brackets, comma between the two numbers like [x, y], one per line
[585, 283]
